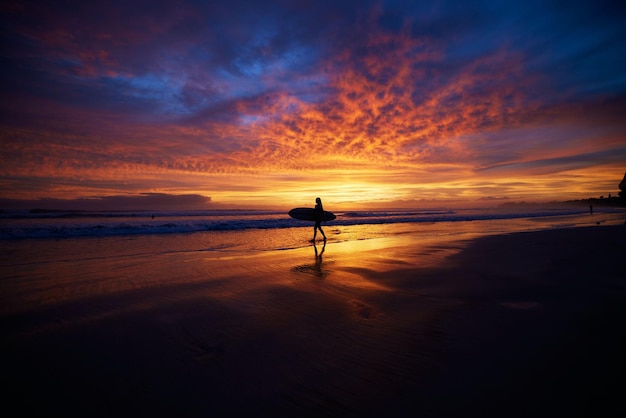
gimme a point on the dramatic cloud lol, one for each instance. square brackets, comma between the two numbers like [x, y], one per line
[271, 103]
[146, 201]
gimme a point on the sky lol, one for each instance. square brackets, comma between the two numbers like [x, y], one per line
[367, 104]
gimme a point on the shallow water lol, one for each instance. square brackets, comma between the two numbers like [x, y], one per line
[42, 271]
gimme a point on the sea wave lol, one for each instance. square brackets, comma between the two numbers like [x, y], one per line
[395, 214]
[115, 224]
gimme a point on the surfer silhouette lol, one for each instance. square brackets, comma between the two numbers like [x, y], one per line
[319, 209]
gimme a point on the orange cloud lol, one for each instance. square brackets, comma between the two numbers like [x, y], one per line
[388, 117]
[384, 107]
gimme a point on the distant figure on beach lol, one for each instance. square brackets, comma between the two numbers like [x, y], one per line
[591, 209]
[318, 218]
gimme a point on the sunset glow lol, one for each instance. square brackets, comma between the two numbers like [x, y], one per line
[367, 104]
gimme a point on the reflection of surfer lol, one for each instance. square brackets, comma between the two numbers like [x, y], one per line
[318, 260]
[318, 218]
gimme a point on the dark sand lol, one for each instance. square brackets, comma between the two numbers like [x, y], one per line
[517, 325]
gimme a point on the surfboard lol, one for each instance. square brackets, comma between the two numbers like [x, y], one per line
[309, 214]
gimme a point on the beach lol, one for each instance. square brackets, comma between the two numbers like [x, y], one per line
[510, 324]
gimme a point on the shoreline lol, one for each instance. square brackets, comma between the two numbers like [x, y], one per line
[517, 324]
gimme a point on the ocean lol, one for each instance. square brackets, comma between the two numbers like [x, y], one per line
[247, 230]
[70, 224]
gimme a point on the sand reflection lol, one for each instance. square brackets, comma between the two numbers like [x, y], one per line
[317, 268]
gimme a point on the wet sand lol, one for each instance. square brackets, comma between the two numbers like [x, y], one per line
[524, 324]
